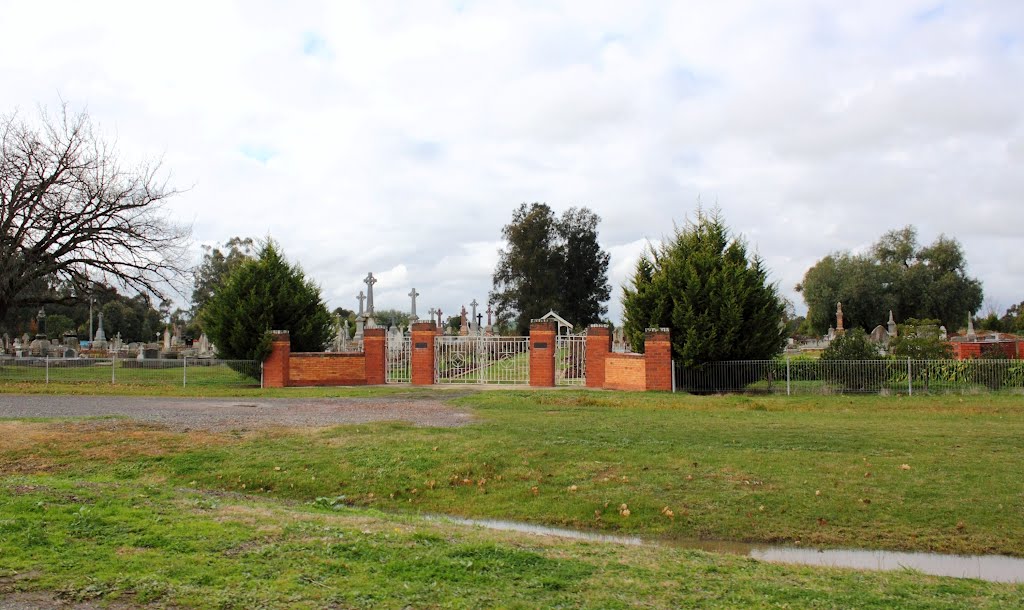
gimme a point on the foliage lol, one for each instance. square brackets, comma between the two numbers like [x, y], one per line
[856, 353]
[216, 266]
[717, 301]
[897, 274]
[71, 214]
[853, 344]
[550, 264]
[387, 317]
[261, 295]
[920, 340]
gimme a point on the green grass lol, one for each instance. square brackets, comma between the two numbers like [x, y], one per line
[130, 372]
[147, 543]
[817, 471]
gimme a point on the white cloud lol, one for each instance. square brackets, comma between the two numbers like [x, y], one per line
[399, 137]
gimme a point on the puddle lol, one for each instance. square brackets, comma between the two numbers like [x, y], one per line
[993, 568]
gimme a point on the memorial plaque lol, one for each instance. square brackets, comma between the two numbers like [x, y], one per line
[421, 345]
[540, 345]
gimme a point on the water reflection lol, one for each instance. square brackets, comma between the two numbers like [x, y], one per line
[993, 568]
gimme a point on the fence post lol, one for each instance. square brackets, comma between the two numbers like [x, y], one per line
[113, 367]
[261, 375]
[787, 376]
[673, 376]
[184, 370]
[910, 380]
[47, 368]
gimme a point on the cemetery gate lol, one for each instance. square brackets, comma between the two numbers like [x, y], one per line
[476, 359]
[571, 360]
[398, 359]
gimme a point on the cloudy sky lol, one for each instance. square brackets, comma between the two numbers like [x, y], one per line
[397, 137]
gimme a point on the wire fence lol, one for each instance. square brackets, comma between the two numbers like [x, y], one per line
[884, 376]
[165, 372]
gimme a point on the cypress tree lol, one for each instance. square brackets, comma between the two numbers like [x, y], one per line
[717, 301]
[261, 295]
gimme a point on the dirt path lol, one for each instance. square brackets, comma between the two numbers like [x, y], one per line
[220, 414]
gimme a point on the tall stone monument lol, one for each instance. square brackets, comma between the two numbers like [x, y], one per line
[413, 294]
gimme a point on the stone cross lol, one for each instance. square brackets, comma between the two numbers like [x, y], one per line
[463, 326]
[432, 313]
[479, 319]
[489, 312]
[413, 294]
[474, 323]
[370, 281]
[440, 324]
[41, 316]
[360, 297]
[100, 336]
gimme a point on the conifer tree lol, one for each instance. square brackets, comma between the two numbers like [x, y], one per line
[261, 295]
[716, 301]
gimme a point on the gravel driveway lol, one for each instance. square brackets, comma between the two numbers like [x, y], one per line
[219, 414]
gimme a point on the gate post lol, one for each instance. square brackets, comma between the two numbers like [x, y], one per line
[422, 358]
[599, 345]
[658, 359]
[542, 353]
[375, 353]
[275, 367]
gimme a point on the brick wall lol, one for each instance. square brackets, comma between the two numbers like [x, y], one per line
[322, 368]
[963, 350]
[651, 370]
[623, 372]
[542, 353]
[283, 368]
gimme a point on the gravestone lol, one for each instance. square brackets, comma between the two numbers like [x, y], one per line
[70, 353]
[413, 294]
[100, 340]
[463, 326]
[151, 353]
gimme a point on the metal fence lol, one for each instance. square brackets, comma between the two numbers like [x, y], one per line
[887, 376]
[571, 360]
[501, 360]
[398, 365]
[164, 372]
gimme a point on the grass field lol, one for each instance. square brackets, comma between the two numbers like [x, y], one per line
[168, 514]
[132, 372]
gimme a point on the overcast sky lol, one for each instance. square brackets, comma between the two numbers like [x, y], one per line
[398, 137]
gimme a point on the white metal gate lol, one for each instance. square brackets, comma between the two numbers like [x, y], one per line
[504, 360]
[398, 360]
[571, 360]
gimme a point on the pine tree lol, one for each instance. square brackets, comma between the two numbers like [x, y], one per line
[261, 295]
[717, 301]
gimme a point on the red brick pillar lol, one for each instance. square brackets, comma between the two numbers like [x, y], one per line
[599, 345]
[275, 367]
[542, 353]
[658, 359]
[375, 352]
[423, 336]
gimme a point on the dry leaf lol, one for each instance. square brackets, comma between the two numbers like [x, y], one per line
[904, 466]
[572, 488]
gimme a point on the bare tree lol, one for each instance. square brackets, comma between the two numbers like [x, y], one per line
[71, 214]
